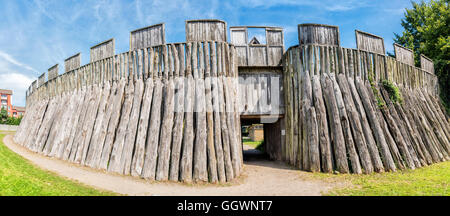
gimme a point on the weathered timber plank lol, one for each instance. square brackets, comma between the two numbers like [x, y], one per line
[216, 111]
[162, 170]
[324, 139]
[337, 135]
[139, 153]
[350, 145]
[151, 151]
[119, 141]
[211, 152]
[112, 126]
[130, 138]
[369, 138]
[101, 123]
[376, 128]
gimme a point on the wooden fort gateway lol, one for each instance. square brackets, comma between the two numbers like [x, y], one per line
[173, 111]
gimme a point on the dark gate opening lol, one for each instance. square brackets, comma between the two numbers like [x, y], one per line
[261, 139]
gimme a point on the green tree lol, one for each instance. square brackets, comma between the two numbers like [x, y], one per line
[427, 32]
[18, 120]
[10, 121]
[3, 116]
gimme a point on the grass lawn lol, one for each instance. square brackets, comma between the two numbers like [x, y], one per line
[18, 177]
[433, 180]
[251, 143]
[255, 144]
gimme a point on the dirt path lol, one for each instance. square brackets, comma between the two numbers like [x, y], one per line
[259, 178]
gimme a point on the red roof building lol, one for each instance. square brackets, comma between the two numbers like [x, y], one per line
[5, 102]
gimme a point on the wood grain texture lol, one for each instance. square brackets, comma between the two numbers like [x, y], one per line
[102, 50]
[173, 111]
[206, 30]
[149, 36]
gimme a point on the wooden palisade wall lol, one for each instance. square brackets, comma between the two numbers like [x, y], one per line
[166, 112]
[102, 50]
[403, 54]
[311, 33]
[148, 36]
[426, 64]
[369, 42]
[206, 30]
[72, 63]
[268, 54]
[260, 91]
[53, 72]
[171, 111]
[339, 118]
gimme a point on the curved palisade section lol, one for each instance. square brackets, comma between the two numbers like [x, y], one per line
[173, 111]
[162, 113]
[341, 114]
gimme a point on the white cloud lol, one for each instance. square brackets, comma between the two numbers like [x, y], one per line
[18, 83]
[13, 80]
[11, 60]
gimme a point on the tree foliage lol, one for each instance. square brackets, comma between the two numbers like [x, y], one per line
[427, 32]
[3, 115]
[5, 119]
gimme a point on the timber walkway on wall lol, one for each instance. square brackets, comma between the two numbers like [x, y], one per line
[173, 111]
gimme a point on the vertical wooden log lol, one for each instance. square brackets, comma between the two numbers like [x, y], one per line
[324, 139]
[179, 114]
[298, 151]
[369, 138]
[223, 123]
[422, 126]
[73, 122]
[229, 108]
[57, 122]
[200, 165]
[212, 162]
[354, 120]
[341, 60]
[350, 145]
[188, 135]
[132, 128]
[115, 115]
[100, 126]
[412, 131]
[234, 75]
[296, 108]
[288, 104]
[151, 151]
[376, 128]
[335, 124]
[306, 104]
[313, 141]
[216, 111]
[89, 124]
[119, 142]
[351, 67]
[138, 158]
[393, 123]
[396, 156]
[162, 171]
[79, 131]
[441, 140]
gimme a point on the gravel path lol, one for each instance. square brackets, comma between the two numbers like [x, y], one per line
[260, 177]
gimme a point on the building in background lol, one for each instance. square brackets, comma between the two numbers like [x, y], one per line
[5, 101]
[18, 111]
[256, 132]
[5, 96]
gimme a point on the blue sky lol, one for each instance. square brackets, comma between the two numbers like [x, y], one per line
[35, 35]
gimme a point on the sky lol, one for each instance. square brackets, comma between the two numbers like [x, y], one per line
[36, 34]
